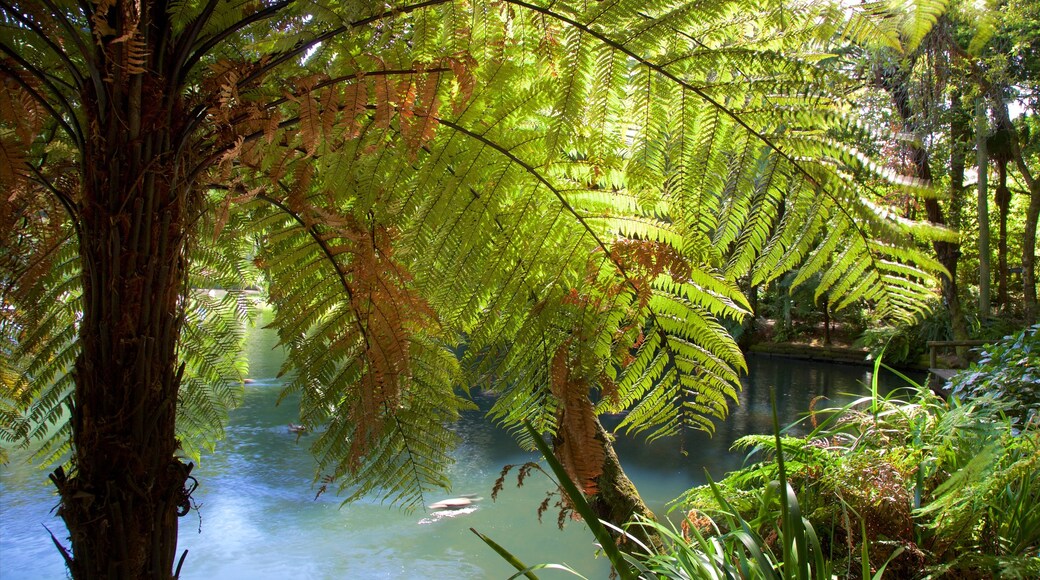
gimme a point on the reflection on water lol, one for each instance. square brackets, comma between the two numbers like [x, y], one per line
[258, 516]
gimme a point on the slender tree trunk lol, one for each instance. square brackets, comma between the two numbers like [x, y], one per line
[826, 322]
[1003, 199]
[981, 133]
[950, 253]
[1032, 216]
[1029, 252]
[121, 501]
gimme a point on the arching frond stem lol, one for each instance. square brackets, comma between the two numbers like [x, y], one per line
[73, 33]
[665, 342]
[215, 40]
[63, 198]
[73, 133]
[69, 66]
[699, 92]
[188, 40]
[304, 46]
[313, 233]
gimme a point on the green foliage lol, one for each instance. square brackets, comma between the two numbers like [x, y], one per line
[946, 486]
[776, 544]
[571, 190]
[1007, 371]
[907, 342]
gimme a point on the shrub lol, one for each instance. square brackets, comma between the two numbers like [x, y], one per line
[928, 487]
[1007, 371]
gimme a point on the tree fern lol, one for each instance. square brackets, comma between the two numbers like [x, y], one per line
[571, 192]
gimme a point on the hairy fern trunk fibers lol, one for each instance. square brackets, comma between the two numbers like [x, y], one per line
[120, 502]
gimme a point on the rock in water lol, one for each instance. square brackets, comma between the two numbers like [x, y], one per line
[453, 503]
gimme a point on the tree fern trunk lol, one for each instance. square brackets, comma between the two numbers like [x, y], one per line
[618, 500]
[121, 501]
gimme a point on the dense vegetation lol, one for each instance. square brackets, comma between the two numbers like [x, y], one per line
[908, 482]
[966, 98]
[572, 204]
[903, 485]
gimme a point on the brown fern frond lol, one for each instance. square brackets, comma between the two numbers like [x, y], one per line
[12, 167]
[354, 100]
[381, 99]
[136, 54]
[576, 446]
[419, 126]
[387, 311]
[310, 118]
[18, 109]
[462, 67]
[330, 105]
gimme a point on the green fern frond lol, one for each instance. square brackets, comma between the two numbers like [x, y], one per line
[38, 324]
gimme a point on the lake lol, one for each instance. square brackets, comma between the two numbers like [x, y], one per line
[258, 517]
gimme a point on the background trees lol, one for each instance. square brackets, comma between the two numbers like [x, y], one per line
[964, 98]
[573, 194]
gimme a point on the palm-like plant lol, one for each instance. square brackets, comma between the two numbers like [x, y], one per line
[573, 192]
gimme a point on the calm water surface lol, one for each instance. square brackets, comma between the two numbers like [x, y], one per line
[259, 518]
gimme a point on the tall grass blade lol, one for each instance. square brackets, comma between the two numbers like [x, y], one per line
[581, 505]
[506, 555]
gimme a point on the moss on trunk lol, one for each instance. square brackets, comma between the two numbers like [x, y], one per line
[618, 500]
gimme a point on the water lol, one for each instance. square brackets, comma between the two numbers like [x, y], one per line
[259, 518]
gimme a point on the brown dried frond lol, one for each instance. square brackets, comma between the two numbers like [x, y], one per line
[354, 103]
[462, 66]
[387, 311]
[695, 520]
[419, 110]
[382, 100]
[812, 409]
[645, 260]
[136, 54]
[576, 446]
[608, 389]
[18, 109]
[12, 168]
[309, 114]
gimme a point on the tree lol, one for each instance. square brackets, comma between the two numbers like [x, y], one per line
[982, 162]
[570, 192]
[896, 74]
[1000, 60]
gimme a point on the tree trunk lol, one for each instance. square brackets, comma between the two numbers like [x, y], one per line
[618, 501]
[122, 499]
[981, 132]
[826, 322]
[1032, 215]
[948, 253]
[1029, 253]
[1003, 199]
